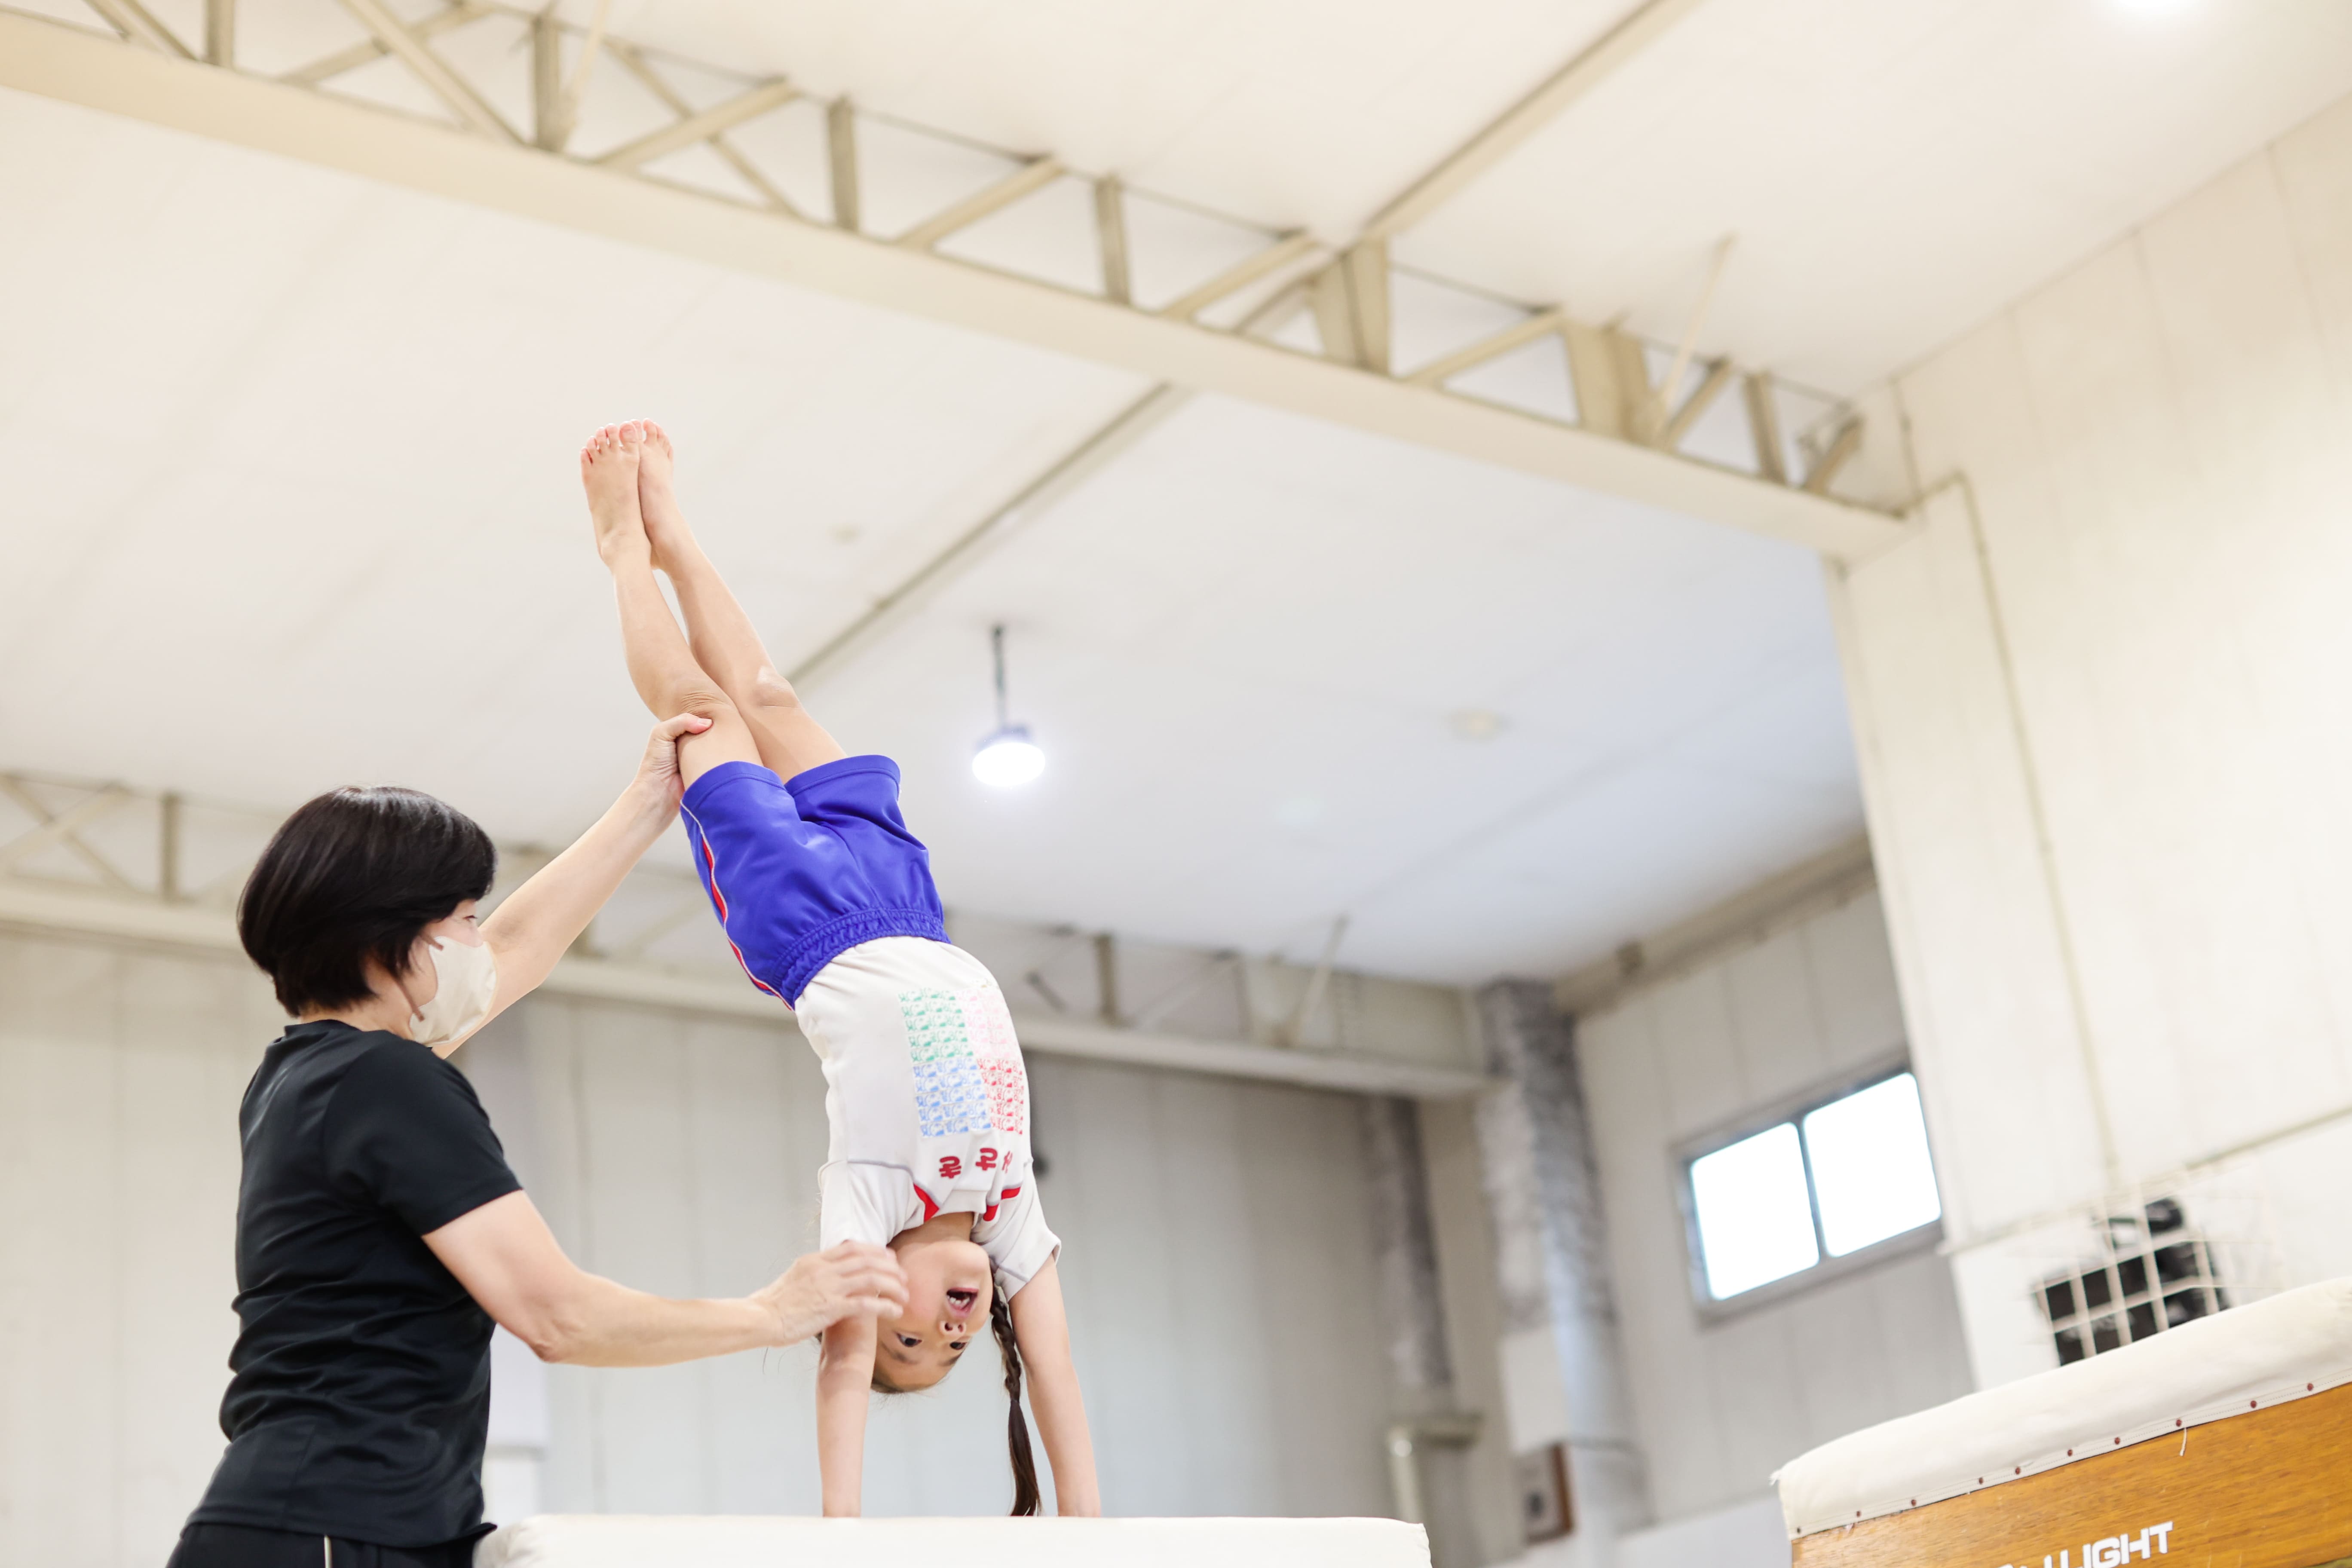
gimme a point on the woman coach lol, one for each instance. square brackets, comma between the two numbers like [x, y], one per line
[379, 1231]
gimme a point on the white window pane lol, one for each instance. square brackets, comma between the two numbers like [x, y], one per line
[1754, 1223]
[1871, 1168]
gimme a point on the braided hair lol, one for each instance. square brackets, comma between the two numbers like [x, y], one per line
[1016, 1431]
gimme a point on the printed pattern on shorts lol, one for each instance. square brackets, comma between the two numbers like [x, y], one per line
[968, 1074]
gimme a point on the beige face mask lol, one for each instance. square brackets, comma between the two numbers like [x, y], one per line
[468, 985]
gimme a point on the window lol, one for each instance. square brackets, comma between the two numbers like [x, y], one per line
[1831, 1181]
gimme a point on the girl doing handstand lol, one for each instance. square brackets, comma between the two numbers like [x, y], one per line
[827, 901]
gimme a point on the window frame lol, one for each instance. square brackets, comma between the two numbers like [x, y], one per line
[1826, 1270]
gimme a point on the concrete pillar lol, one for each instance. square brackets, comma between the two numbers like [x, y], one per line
[1429, 1431]
[1413, 1309]
[1563, 1365]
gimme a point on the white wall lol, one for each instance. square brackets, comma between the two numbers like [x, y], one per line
[1219, 1264]
[2104, 742]
[1720, 1406]
[1220, 1267]
[121, 1072]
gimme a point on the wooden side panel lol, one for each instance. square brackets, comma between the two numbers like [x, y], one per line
[2265, 1489]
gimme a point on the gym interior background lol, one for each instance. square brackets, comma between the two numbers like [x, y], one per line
[1691, 658]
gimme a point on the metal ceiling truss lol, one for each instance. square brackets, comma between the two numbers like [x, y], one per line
[1625, 440]
[104, 859]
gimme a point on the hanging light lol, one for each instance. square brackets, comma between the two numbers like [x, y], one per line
[1008, 756]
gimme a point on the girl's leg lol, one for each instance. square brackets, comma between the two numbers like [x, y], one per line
[660, 664]
[724, 642]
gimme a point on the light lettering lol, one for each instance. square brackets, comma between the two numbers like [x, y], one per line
[2110, 1551]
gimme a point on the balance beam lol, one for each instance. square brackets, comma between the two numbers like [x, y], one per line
[2225, 1442]
[622, 1540]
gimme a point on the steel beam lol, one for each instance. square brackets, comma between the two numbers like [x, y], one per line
[447, 85]
[138, 25]
[840, 162]
[1110, 233]
[1351, 307]
[925, 583]
[1044, 491]
[552, 126]
[698, 127]
[634, 61]
[60, 826]
[1508, 134]
[171, 822]
[1687, 345]
[495, 171]
[1678, 423]
[1841, 446]
[1366, 267]
[371, 50]
[220, 33]
[1335, 314]
[1764, 425]
[1031, 176]
[45, 908]
[1445, 367]
[1284, 251]
[1611, 373]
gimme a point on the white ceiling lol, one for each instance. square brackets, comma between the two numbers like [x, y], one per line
[295, 504]
[1246, 646]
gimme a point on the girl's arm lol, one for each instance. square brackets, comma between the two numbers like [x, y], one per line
[1042, 1330]
[511, 1264]
[539, 922]
[845, 1376]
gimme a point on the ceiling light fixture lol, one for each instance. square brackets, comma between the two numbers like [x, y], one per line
[2154, 7]
[1008, 756]
[1478, 723]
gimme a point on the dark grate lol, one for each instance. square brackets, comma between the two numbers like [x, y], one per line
[2155, 1274]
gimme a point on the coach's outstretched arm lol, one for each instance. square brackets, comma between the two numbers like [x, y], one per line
[537, 924]
[510, 1263]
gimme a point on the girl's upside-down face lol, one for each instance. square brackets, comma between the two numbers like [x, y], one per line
[949, 1289]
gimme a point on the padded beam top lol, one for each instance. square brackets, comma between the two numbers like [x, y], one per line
[618, 1541]
[2247, 1358]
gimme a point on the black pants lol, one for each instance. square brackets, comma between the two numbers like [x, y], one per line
[240, 1546]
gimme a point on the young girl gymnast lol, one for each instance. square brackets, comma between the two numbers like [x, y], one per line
[827, 901]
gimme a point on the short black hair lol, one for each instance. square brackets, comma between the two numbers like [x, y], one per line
[358, 873]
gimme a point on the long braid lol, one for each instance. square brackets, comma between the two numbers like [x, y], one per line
[1016, 1431]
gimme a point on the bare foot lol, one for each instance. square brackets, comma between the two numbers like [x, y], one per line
[608, 471]
[664, 523]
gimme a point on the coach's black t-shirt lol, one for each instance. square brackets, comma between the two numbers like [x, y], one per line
[361, 1398]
